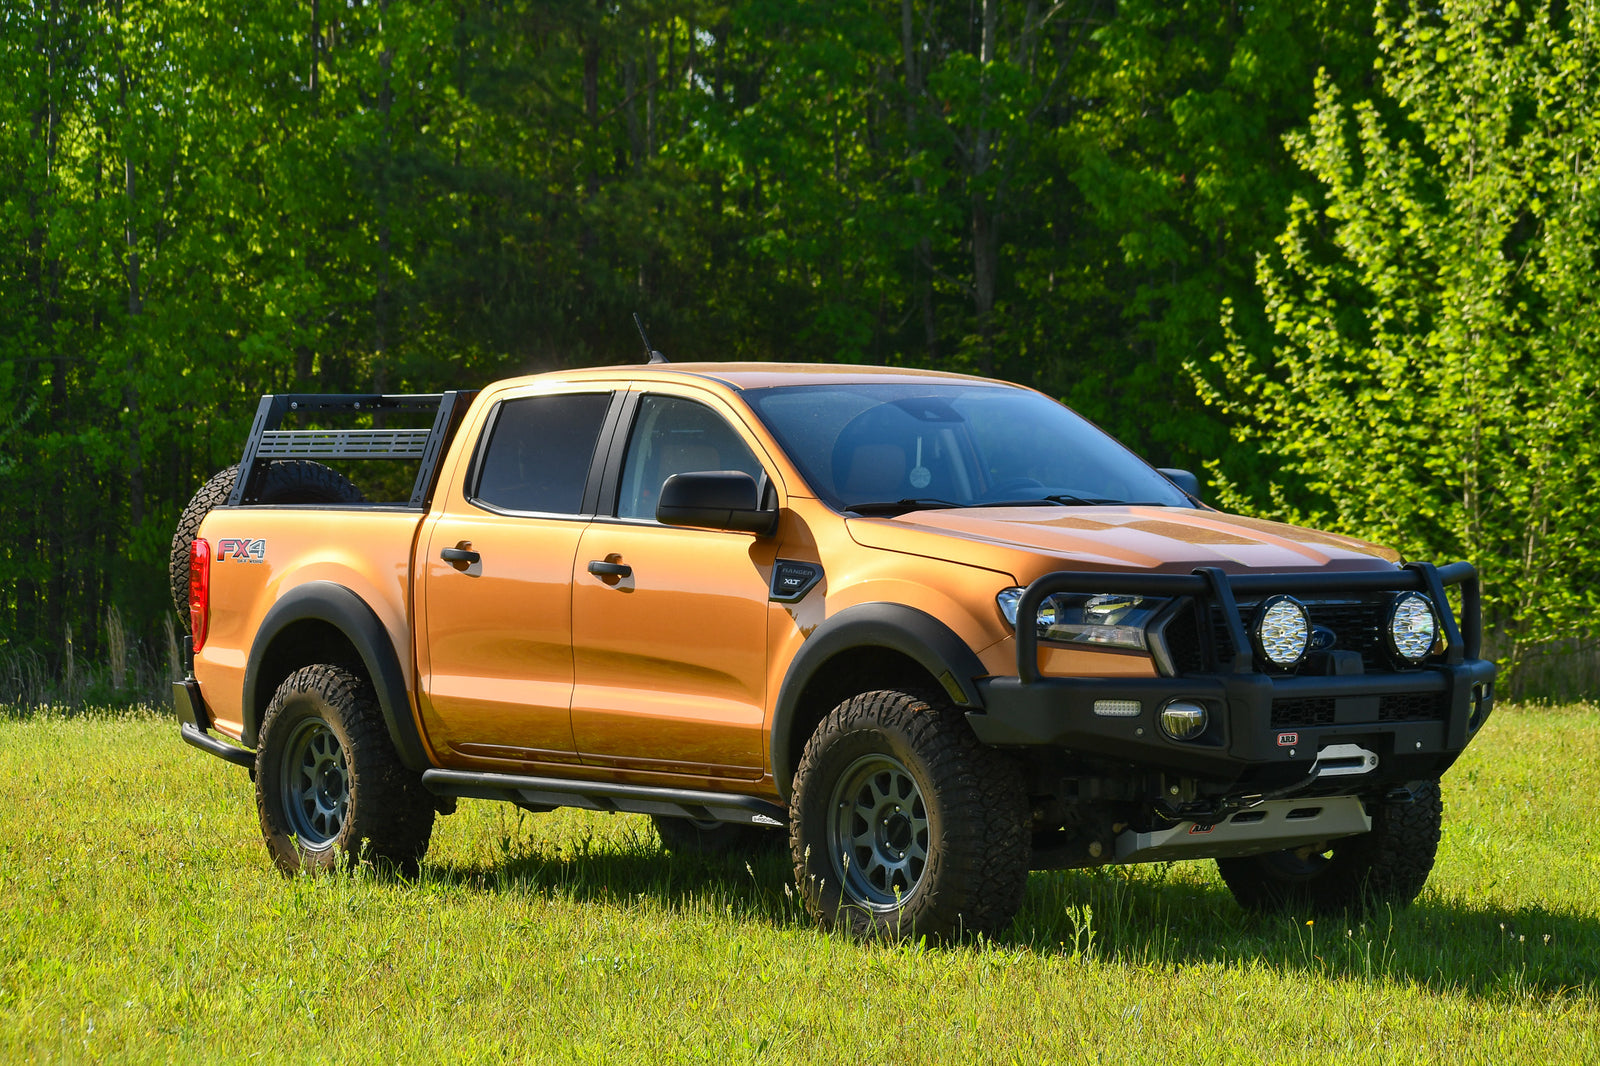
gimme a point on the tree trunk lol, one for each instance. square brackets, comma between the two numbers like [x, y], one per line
[985, 217]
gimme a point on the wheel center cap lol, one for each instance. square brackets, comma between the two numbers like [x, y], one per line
[897, 831]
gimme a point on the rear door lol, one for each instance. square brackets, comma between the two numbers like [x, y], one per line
[670, 624]
[495, 599]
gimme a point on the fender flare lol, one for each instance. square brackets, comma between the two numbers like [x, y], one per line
[894, 626]
[336, 605]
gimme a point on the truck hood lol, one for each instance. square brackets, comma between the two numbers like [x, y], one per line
[1028, 541]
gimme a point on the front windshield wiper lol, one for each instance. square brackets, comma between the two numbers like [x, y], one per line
[1079, 501]
[921, 503]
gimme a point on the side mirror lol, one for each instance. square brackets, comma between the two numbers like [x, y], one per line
[714, 499]
[1183, 479]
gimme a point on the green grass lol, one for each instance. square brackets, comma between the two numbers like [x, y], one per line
[141, 920]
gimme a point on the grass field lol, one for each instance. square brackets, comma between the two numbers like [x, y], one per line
[140, 920]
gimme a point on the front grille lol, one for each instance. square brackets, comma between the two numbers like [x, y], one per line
[1357, 625]
[1412, 707]
[1302, 712]
[1184, 645]
[1306, 711]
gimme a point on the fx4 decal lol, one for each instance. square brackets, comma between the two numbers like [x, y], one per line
[244, 550]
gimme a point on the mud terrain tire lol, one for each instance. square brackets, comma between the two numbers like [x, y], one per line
[1387, 866]
[330, 789]
[291, 481]
[903, 825]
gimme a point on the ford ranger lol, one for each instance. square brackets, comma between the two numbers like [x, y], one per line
[929, 631]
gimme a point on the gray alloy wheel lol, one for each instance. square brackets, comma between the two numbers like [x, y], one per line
[316, 783]
[878, 837]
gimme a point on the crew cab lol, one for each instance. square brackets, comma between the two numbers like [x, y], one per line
[927, 631]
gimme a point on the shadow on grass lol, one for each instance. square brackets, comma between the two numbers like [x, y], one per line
[1141, 916]
[1137, 916]
[755, 885]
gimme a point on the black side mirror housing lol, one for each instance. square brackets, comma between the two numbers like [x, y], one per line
[715, 499]
[1183, 479]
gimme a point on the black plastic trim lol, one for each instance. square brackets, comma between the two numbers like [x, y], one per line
[548, 792]
[792, 579]
[605, 499]
[892, 626]
[325, 601]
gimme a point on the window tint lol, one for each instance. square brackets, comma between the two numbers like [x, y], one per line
[965, 444]
[539, 452]
[674, 436]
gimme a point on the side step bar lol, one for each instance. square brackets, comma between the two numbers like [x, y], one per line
[548, 793]
[221, 749]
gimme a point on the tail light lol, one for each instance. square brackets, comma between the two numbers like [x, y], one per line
[199, 590]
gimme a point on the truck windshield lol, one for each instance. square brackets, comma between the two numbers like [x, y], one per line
[888, 448]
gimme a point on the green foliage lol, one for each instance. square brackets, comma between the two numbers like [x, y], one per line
[1433, 381]
[207, 201]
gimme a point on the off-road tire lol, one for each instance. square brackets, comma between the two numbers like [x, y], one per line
[330, 789]
[289, 481]
[688, 836]
[1387, 866]
[911, 758]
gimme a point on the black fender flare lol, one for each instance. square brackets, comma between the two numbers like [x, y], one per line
[893, 626]
[338, 606]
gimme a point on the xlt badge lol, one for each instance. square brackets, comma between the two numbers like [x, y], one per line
[791, 580]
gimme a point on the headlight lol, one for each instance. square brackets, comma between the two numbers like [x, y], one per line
[1112, 620]
[1283, 630]
[1413, 628]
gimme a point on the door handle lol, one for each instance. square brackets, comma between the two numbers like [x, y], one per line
[604, 569]
[460, 555]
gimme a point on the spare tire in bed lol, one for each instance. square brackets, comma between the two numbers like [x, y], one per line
[286, 481]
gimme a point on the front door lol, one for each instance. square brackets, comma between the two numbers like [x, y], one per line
[669, 624]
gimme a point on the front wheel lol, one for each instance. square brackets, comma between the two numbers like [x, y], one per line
[330, 788]
[1388, 865]
[902, 824]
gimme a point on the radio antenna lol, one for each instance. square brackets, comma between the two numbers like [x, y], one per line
[651, 355]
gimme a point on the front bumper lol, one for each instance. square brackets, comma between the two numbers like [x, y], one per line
[1416, 721]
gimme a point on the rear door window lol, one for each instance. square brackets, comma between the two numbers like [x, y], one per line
[538, 452]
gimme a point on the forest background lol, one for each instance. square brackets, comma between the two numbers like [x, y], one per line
[1337, 258]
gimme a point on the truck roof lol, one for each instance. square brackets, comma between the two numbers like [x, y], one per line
[741, 376]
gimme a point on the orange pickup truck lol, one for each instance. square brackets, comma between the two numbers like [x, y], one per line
[939, 630]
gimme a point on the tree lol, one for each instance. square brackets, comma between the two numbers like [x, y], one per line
[1433, 379]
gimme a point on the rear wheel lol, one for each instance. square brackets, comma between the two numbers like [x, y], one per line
[329, 787]
[693, 836]
[290, 481]
[903, 824]
[1388, 865]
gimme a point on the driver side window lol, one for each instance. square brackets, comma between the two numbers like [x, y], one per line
[676, 436]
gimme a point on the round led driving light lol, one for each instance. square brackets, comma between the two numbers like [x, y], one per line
[1283, 630]
[1183, 719]
[1412, 626]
